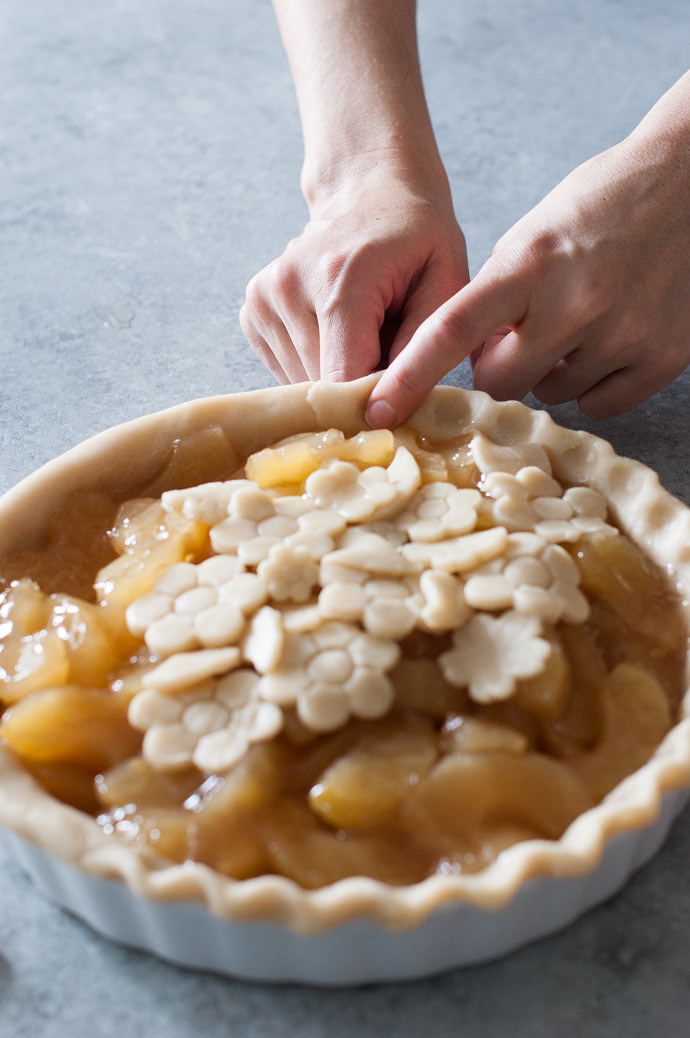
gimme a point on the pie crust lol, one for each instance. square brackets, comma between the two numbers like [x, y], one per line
[313, 930]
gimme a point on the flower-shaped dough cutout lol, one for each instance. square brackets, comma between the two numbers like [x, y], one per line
[439, 510]
[211, 726]
[490, 654]
[363, 495]
[530, 499]
[336, 672]
[249, 517]
[252, 539]
[524, 499]
[208, 502]
[386, 608]
[589, 507]
[533, 577]
[289, 572]
[197, 606]
[249, 538]
[560, 598]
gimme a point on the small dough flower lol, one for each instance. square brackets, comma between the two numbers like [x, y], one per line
[211, 726]
[530, 499]
[252, 539]
[249, 538]
[333, 673]
[490, 654]
[527, 499]
[439, 510]
[197, 606]
[534, 577]
[385, 608]
[364, 495]
[290, 573]
[208, 502]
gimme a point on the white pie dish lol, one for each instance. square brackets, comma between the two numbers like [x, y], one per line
[361, 950]
[356, 931]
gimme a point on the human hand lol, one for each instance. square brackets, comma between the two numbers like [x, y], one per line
[376, 259]
[587, 297]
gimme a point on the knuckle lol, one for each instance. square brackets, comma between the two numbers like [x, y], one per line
[451, 325]
[254, 295]
[259, 297]
[275, 288]
[246, 321]
[589, 298]
[544, 246]
[342, 275]
[631, 338]
[285, 284]
[533, 253]
[333, 277]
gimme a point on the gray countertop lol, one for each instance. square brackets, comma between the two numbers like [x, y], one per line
[149, 164]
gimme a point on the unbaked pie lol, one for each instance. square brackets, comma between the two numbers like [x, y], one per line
[290, 650]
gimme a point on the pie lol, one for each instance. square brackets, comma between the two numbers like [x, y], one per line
[282, 650]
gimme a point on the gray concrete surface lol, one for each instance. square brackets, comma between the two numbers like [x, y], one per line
[149, 163]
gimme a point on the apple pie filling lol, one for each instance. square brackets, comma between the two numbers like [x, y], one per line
[377, 655]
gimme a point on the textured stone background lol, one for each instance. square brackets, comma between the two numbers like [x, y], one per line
[149, 163]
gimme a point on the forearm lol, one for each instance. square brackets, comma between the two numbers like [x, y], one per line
[359, 88]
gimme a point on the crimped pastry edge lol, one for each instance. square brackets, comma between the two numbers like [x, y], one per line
[128, 455]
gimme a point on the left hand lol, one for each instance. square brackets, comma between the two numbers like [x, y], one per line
[349, 292]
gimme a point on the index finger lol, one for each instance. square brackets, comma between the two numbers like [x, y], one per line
[461, 325]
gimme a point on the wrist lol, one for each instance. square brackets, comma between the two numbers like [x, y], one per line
[347, 176]
[663, 136]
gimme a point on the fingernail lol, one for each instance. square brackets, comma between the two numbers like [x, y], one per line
[381, 415]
